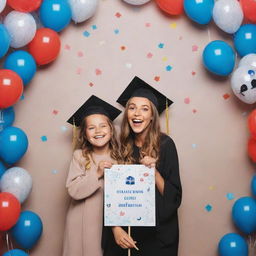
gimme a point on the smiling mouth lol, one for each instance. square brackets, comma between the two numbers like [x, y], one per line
[99, 136]
[137, 121]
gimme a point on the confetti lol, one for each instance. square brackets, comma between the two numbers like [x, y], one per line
[67, 47]
[173, 25]
[44, 138]
[123, 48]
[149, 55]
[164, 59]
[22, 97]
[194, 111]
[187, 100]
[79, 71]
[55, 112]
[118, 15]
[157, 78]
[86, 34]
[226, 96]
[116, 31]
[208, 207]
[161, 45]
[98, 72]
[80, 54]
[194, 48]
[193, 73]
[148, 25]
[91, 84]
[94, 27]
[168, 68]
[230, 196]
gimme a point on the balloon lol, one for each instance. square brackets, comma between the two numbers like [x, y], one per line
[83, 9]
[55, 14]
[252, 123]
[253, 185]
[14, 144]
[2, 5]
[173, 7]
[11, 88]
[243, 214]
[45, 47]
[232, 244]
[249, 9]
[23, 64]
[136, 2]
[199, 11]
[228, 15]
[15, 252]
[251, 148]
[245, 39]
[21, 27]
[28, 229]
[219, 58]
[7, 117]
[243, 83]
[24, 5]
[5, 40]
[18, 182]
[248, 60]
[9, 211]
[2, 169]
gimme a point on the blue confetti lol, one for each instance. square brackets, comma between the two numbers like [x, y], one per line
[116, 31]
[251, 72]
[22, 97]
[44, 138]
[86, 34]
[54, 171]
[194, 145]
[208, 207]
[94, 27]
[63, 128]
[230, 196]
[168, 68]
[161, 46]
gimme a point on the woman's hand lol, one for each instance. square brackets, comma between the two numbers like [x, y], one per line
[123, 239]
[148, 161]
[101, 166]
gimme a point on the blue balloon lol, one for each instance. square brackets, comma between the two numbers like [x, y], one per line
[23, 64]
[15, 252]
[253, 185]
[55, 14]
[2, 169]
[244, 214]
[245, 40]
[232, 244]
[199, 11]
[5, 40]
[27, 230]
[7, 117]
[14, 144]
[219, 58]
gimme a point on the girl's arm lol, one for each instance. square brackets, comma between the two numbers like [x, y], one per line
[122, 238]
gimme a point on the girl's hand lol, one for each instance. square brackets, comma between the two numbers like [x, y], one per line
[148, 161]
[123, 239]
[101, 166]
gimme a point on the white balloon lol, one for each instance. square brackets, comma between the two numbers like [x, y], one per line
[21, 27]
[228, 15]
[243, 83]
[16, 181]
[136, 2]
[248, 60]
[2, 5]
[82, 9]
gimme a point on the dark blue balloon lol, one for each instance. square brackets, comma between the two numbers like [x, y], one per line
[244, 214]
[5, 40]
[14, 144]
[15, 252]
[2, 169]
[23, 64]
[219, 58]
[27, 230]
[7, 117]
[245, 39]
[55, 14]
[199, 11]
[253, 185]
[233, 244]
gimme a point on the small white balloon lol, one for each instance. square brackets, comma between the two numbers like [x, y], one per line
[228, 15]
[21, 27]
[248, 60]
[16, 181]
[2, 5]
[243, 83]
[136, 2]
[83, 9]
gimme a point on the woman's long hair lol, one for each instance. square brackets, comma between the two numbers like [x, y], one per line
[151, 145]
[87, 147]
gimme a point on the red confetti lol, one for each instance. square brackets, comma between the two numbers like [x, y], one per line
[118, 14]
[145, 174]
[91, 84]
[80, 54]
[55, 112]
[148, 25]
[67, 47]
[226, 96]
[79, 71]
[141, 179]
[123, 48]
[157, 78]
[187, 100]
[149, 55]
[193, 73]
[194, 111]
[122, 213]
[194, 48]
[98, 72]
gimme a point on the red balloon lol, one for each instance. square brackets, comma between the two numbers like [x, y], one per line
[24, 5]
[173, 7]
[252, 149]
[11, 88]
[252, 123]
[249, 9]
[9, 210]
[45, 46]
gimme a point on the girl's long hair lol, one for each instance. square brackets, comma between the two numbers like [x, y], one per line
[87, 147]
[151, 145]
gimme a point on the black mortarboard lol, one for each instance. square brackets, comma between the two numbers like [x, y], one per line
[139, 88]
[93, 105]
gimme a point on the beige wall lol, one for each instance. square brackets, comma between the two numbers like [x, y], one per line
[211, 142]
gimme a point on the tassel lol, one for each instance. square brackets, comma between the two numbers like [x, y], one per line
[167, 118]
[74, 139]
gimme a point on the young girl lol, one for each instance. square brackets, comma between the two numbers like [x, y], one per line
[98, 149]
[142, 142]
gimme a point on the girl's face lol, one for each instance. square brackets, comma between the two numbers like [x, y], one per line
[98, 130]
[139, 114]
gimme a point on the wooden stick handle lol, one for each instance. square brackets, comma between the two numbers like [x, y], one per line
[129, 233]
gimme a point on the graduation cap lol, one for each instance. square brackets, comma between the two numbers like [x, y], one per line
[139, 88]
[93, 105]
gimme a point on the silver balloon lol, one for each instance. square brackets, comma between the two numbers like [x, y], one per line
[2, 5]
[136, 2]
[16, 181]
[228, 15]
[21, 27]
[82, 9]
[243, 83]
[248, 60]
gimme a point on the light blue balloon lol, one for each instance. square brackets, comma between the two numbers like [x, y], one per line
[55, 14]
[219, 58]
[5, 40]
[232, 244]
[27, 230]
[253, 185]
[7, 117]
[244, 214]
[23, 64]
[14, 144]
[199, 11]
[2, 169]
[245, 39]
[15, 252]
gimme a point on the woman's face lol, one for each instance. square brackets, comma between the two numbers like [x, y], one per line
[139, 114]
[98, 130]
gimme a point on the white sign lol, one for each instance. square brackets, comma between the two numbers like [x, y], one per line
[129, 196]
